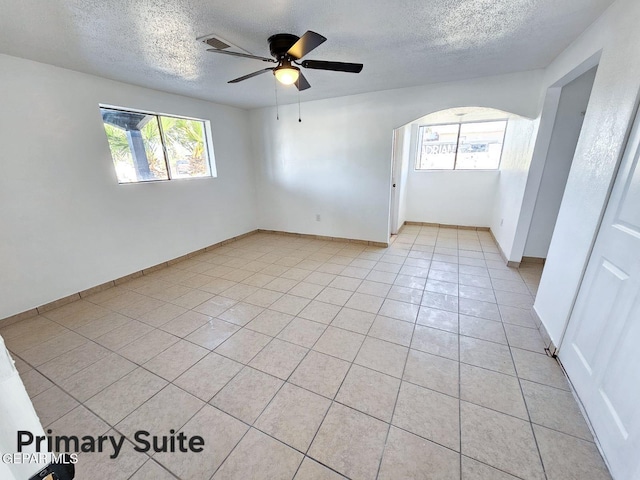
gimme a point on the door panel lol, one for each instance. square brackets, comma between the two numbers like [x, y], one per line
[601, 349]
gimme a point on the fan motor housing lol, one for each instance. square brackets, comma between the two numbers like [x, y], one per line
[280, 43]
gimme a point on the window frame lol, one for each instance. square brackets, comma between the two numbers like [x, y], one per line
[418, 150]
[208, 140]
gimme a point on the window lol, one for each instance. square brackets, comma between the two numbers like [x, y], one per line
[147, 147]
[461, 146]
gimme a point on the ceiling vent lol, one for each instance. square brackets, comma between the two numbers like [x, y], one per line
[217, 42]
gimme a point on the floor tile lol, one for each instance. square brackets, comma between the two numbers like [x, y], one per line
[162, 315]
[302, 332]
[440, 301]
[369, 392]
[289, 304]
[567, 457]
[243, 345]
[186, 323]
[408, 457]
[429, 414]
[501, 441]
[52, 404]
[52, 348]
[399, 310]
[483, 329]
[208, 376]
[382, 356]
[374, 288]
[192, 299]
[319, 312]
[433, 372]
[514, 299]
[212, 334]
[320, 373]
[404, 294]
[477, 308]
[394, 331]
[516, 316]
[168, 410]
[524, 338]
[336, 289]
[490, 355]
[152, 471]
[120, 468]
[294, 416]
[556, 409]
[124, 396]
[270, 322]
[339, 343]
[444, 287]
[176, 360]
[477, 293]
[88, 382]
[350, 442]
[345, 283]
[34, 382]
[539, 368]
[73, 361]
[148, 346]
[366, 303]
[247, 394]
[334, 296]
[474, 470]
[306, 290]
[437, 342]
[354, 320]
[279, 358]
[493, 390]
[215, 306]
[221, 433]
[312, 470]
[259, 456]
[440, 319]
[79, 422]
[241, 313]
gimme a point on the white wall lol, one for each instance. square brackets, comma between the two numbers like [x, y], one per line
[514, 170]
[66, 224]
[337, 162]
[452, 197]
[568, 123]
[607, 122]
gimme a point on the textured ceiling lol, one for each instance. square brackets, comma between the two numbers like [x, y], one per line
[401, 43]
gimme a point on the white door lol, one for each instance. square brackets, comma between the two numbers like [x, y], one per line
[601, 349]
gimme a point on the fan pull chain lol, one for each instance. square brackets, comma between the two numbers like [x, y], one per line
[299, 116]
[275, 84]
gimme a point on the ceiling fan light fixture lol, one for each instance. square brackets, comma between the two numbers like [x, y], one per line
[286, 74]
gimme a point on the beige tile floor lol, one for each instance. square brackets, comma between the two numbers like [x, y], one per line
[308, 359]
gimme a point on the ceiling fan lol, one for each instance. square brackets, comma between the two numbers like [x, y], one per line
[287, 50]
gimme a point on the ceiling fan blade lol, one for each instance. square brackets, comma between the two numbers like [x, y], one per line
[254, 74]
[334, 66]
[302, 83]
[305, 44]
[243, 55]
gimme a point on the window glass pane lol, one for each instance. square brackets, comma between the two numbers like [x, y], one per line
[186, 147]
[136, 146]
[438, 147]
[480, 145]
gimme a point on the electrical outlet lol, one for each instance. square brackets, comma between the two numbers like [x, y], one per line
[317, 217]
